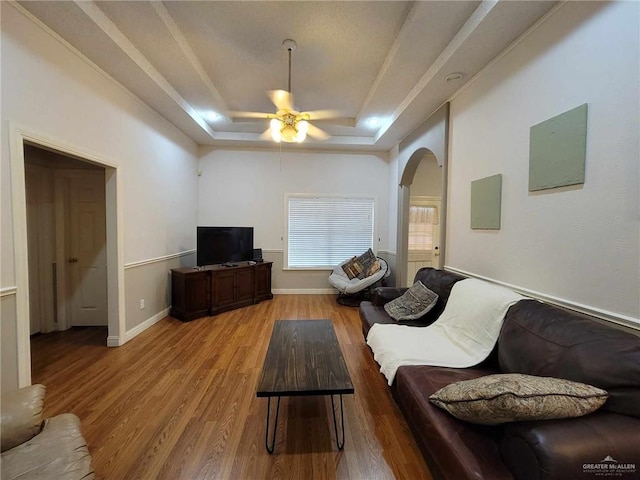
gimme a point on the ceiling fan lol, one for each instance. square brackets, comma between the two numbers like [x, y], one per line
[287, 124]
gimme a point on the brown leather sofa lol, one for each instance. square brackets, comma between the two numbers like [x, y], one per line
[536, 339]
[34, 448]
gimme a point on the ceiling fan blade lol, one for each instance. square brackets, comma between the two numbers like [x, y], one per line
[282, 99]
[249, 115]
[266, 135]
[323, 114]
[317, 133]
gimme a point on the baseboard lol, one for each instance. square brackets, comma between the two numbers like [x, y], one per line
[113, 341]
[138, 329]
[304, 291]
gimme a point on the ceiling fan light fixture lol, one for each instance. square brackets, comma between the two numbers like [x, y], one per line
[276, 127]
[287, 124]
[289, 134]
[289, 129]
[303, 127]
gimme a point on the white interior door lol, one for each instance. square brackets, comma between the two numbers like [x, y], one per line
[86, 249]
[424, 235]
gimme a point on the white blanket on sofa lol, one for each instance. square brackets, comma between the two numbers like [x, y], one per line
[463, 336]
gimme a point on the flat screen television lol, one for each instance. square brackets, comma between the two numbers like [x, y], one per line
[223, 245]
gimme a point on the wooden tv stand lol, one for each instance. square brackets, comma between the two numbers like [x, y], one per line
[200, 291]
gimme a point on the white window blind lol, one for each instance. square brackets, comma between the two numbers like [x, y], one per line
[422, 219]
[324, 231]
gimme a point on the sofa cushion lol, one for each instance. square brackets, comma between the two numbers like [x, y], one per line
[502, 398]
[371, 314]
[453, 449]
[382, 295]
[413, 304]
[573, 447]
[439, 281]
[59, 452]
[540, 339]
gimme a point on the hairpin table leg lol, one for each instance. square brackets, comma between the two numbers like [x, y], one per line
[335, 424]
[275, 426]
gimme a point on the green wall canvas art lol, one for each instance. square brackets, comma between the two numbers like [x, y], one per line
[557, 150]
[486, 202]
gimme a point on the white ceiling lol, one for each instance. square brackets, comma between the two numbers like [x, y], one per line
[384, 59]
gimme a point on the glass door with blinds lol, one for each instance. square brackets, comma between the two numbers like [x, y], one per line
[424, 235]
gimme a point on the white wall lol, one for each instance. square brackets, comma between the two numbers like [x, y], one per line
[248, 187]
[580, 244]
[52, 92]
[47, 89]
[427, 181]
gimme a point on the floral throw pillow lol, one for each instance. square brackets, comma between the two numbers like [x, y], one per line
[514, 397]
[351, 268]
[363, 266]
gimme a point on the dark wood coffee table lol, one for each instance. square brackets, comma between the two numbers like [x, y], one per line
[304, 358]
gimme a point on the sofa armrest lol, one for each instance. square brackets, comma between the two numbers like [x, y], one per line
[382, 295]
[21, 415]
[570, 448]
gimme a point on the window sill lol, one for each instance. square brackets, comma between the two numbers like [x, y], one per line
[307, 269]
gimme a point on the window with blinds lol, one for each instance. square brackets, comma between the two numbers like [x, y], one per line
[324, 231]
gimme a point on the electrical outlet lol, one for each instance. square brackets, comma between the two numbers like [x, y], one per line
[141, 303]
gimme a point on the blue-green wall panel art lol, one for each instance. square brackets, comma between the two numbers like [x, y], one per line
[486, 202]
[557, 150]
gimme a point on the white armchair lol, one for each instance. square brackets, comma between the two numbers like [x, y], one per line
[34, 448]
[348, 287]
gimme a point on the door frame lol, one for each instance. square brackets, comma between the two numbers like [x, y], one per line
[404, 200]
[431, 137]
[18, 136]
[436, 259]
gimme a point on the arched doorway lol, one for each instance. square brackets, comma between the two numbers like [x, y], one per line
[425, 205]
[421, 215]
[429, 139]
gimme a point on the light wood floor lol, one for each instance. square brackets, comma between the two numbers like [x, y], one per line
[178, 401]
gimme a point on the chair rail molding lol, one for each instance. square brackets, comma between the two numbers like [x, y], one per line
[7, 291]
[613, 317]
[163, 258]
